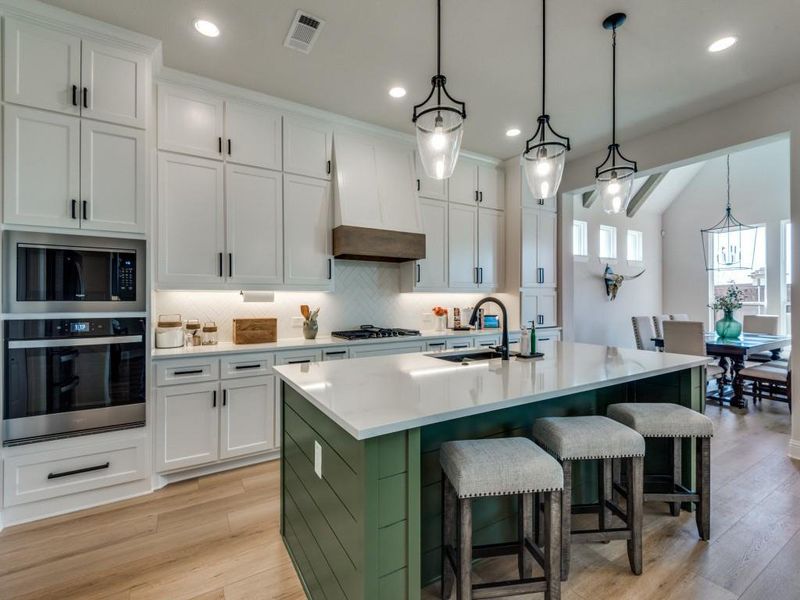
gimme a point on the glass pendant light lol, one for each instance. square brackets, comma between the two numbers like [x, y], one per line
[545, 151]
[730, 245]
[439, 126]
[614, 176]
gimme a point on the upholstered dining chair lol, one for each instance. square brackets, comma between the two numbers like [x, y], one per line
[657, 321]
[644, 333]
[688, 337]
[679, 317]
[766, 324]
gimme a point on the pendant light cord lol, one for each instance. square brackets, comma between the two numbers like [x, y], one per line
[544, 55]
[614, 87]
[439, 48]
[728, 163]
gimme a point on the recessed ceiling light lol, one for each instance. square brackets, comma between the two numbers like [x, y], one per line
[207, 28]
[397, 92]
[513, 132]
[722, 44]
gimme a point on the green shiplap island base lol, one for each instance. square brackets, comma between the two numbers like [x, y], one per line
[370, 527]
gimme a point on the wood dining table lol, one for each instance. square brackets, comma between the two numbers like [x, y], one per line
[732, 354]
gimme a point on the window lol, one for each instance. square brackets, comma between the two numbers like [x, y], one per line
[752, 282]
[608, 242]
[635, 245]
[580, 238]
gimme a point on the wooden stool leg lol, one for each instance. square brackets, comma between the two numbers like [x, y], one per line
[537, 520]
[464, 584]
[677, 476]
[703, 514]
[566, 519]
[604, 492]
[616, 479]
[524, 558]
[552, 545]
[448, 535]
[634, 512]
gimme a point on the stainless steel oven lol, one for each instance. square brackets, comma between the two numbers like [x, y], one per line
[59, 274]
[63, 376]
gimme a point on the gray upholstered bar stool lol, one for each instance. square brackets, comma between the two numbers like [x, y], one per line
[599, 438]
[664, 420]
[499, 467]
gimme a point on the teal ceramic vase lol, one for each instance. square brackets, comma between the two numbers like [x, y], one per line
[727, 327]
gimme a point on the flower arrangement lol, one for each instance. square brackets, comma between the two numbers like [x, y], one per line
[729, 301]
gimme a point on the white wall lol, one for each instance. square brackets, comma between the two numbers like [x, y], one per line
[759, 196]
[365, 293]
[598, 320]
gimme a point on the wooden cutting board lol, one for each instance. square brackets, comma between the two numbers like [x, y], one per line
[255, 331]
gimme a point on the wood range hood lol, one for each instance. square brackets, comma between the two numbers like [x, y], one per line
[377, 214]
[366, 243]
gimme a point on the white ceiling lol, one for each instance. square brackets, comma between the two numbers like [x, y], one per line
[491, 58]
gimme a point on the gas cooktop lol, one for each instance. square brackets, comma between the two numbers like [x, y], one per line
[370, 331]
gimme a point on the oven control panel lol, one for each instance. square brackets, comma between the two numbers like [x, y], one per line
[33, 329]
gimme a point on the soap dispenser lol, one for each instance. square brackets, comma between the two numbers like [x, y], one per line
[524, 343]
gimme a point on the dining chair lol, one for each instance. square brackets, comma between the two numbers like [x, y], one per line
[766, 324]
[644, 333]
[679, 317]
[657, 321]
[688, 337]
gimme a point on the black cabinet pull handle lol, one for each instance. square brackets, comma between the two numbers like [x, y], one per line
[229, 146]
[337, 353]
[481, 196]
[230, 264]
[477, 196]
[436, 344]
[330, 268]
[243, 367]
[214, 399]
[79, 471]
[329, 167]
[85, 97]
[418, 185]
[540, 275]
[74, 208]
[220, 264]
[224, 397]
[419, 273]
[480, 270]
[192, 372]
[74, 95]
[219, 145]
[298, 362]
[85, 210]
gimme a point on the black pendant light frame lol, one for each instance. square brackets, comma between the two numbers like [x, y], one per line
[543, 120]
[727, 225]
[438, 82]
[614, 156]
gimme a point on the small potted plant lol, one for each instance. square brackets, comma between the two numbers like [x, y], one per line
[728, 327]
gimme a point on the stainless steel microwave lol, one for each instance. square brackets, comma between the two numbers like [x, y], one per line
[46, 273]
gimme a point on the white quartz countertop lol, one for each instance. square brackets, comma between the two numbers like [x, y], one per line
[369, 397]
[319, 342]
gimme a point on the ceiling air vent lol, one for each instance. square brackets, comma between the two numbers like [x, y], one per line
[303, 32]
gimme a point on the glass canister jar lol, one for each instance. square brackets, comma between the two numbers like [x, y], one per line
[169, 331]
[193, 333]
[210, 334]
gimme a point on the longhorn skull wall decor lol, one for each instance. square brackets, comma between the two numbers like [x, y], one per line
[614, 281]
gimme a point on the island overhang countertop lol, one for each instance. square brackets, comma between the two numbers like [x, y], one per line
[370, 397]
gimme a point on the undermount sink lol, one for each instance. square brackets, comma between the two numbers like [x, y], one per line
[468, 357]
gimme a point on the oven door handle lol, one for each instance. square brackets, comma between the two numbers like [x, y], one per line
[69, 386]
[64, 343]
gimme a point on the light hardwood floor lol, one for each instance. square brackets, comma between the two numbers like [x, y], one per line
[217, 538]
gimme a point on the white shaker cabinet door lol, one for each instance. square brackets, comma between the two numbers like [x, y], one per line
[253, 136]
[42, 67]
[491, 185]
[491, 248]
[41, 155]
[187, 425]
[307, 146]
[463, 184]
[112, 178]
[463, 246]
[307, 222]
[254, 217]
[113, 85]
[428, 187]
[247, 421]
[190, 122]
[431, 271]
[191, 234]
[547, 232]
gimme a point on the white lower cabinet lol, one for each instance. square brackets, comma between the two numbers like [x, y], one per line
[187, 423]
[540, 307]
[247, 420]
[335, 353]
[386, 349]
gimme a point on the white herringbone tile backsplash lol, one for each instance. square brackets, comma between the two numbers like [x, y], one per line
[365, 293]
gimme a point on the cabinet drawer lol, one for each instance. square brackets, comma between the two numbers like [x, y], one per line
[335, 353]
[43, 475]
[246, 365]
[484, 341]
[292, 357]
[459, 344]
[435, 345]
[187, 370]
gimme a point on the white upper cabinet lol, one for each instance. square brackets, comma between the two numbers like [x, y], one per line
[112, 178]
[463, 246]
[475, 182]
[190, 122]
[427, 187]
[42, 67]
[491, 248]
[307, 217]
[247, 420]
[539, 307]
[113, 83]
[191, 236]
[254, 219]
[528, 201]
[464, 182]
[307, 145]
[539, 235]
[41, 168]
[253, 136]
[431, 272]
[491, 187]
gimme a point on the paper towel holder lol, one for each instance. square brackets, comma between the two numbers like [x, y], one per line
[254, 296]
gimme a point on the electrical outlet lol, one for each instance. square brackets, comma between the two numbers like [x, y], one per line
[297, 322]
[317, 459]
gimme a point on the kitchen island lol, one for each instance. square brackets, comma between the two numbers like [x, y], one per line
[360, 476]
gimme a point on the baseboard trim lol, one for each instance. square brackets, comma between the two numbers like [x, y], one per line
[794, 449]
[162, 479]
